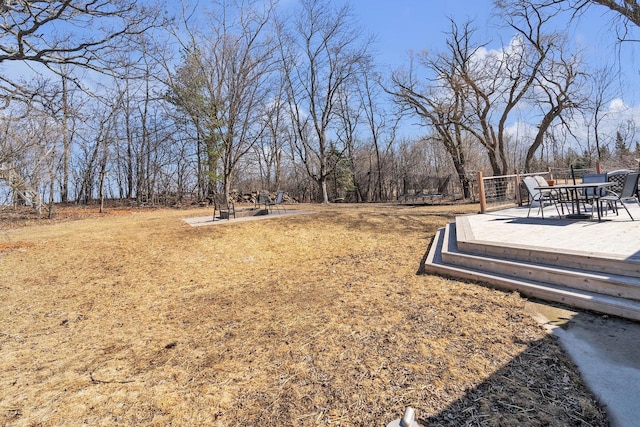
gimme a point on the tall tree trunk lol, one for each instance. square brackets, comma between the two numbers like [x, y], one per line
[86, 188]
[103, 173]
[66, 143]
[322, 182]
[542, 129]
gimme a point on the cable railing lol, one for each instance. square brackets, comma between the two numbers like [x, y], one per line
[503, 191]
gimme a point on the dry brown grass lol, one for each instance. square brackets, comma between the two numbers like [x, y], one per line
[140, 319]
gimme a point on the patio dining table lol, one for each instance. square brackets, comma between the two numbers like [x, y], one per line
[575, 195]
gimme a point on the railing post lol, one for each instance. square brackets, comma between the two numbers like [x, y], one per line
[517, 189]
[483, 198]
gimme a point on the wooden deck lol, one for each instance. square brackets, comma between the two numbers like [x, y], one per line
[585, 264]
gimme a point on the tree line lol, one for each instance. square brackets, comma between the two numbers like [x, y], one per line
[153, 104]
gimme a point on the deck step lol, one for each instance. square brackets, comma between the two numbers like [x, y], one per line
[593, 281]
[579, 259]
[506, 274]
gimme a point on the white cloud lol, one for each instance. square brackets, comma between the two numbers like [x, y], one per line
[617, 105]
[617, 117]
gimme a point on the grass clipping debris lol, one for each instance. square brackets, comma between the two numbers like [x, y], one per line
[141, 319]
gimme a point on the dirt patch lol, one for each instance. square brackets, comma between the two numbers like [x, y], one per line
[24, 216]
[303, 320]
[12, 246]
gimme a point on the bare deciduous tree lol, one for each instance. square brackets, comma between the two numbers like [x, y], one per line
[628, 11]
[270, 150]
[223, 84]
[381, 128]
[557, 94]
[82, 33]
[601, 96]
[322, 52]
[554, 77]
[476, 92]
[441, 105]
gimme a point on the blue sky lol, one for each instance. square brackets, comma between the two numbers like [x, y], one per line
[401, 26]
[404, 25]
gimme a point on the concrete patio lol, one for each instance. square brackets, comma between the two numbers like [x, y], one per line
[209, 220]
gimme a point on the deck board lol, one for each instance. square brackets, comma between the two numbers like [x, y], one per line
[615, 237]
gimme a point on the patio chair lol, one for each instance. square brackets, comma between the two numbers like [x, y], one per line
[263, 199]
[591, 195]
[628, 193]
[224, 206]
[277, 202]
[556, 195]
[540, 196]
[617, 177]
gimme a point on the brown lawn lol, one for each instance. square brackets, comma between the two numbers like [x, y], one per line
[139, 319]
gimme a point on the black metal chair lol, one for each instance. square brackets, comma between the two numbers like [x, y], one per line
[617, 177]
[224, 206]
[263, 199]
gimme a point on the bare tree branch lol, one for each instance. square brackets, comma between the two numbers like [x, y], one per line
[81, 33]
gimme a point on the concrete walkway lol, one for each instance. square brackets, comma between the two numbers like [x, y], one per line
[208, 220]
[606, 351]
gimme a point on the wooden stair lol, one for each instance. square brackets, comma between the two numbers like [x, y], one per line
[592, 282]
